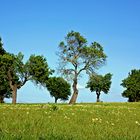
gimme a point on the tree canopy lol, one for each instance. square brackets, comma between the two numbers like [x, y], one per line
[58, 88]
[76, 56]
[14, 73]
[38, 69]
[132, 86]
[5, 91]
[99, 83]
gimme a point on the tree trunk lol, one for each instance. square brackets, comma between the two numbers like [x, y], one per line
[13, 87]
[136, 100]
[1, 99]
[98, 96]
[75, 92]
[56, 100]
[14, 94]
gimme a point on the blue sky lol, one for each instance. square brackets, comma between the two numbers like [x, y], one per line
[37, 27]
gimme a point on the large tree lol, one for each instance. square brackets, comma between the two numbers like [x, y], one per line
[99, 83]
[76, 56]
[4, 84]
[14, 73]
[58, 88]
[132, 86]
[18, 73]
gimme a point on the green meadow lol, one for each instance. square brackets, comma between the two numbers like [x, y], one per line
[92, 121]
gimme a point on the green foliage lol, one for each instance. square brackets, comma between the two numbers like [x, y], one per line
[14, 73]
[15, 69]
[5, 91]
[93, 56]
[76, 56]
[132, 85]
[2, 51]
[58, 88]
[38, 69]
[99, 83]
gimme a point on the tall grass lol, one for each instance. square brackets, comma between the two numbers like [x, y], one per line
[97, 121]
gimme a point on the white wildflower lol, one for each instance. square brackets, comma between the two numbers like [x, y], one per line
[112, 124]
[137, 122]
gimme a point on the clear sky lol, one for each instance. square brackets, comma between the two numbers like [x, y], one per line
[37, 27]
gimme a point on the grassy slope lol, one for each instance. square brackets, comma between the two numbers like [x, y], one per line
[102, 121]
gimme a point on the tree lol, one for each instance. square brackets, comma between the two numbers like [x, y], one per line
[18, 73]
[132, 86]
[5, 91]
[75, 56]
[15, 72]
[58, 88]
[99, 83]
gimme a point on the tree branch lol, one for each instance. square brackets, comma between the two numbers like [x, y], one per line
[84, 68]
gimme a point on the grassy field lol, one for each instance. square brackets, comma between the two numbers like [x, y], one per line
[96, 121]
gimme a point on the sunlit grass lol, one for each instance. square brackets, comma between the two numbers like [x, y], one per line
[98, 121]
